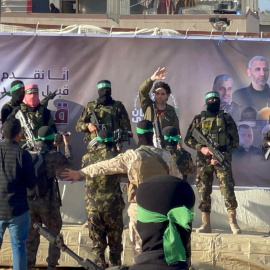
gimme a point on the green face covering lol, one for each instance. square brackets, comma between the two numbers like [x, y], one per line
[172, 243]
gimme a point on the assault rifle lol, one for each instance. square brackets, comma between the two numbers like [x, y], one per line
[47, 98]
[28, 127]
[93, 119]
[212, 146]
[59, 242]
[157, 130]
[121, 135]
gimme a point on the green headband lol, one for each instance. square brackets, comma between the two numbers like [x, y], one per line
[174, 250]
[172, 138]
[14, 88]
[142, 131]
[47, 138]
[211, 94]
[103, 85]
[110, 139]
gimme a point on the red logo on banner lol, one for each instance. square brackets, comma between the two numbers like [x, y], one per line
[61, 115]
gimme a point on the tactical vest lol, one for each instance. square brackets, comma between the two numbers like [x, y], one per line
[44, 184]
[151, 164]
[214, 126]
[36, 117]
[107, 115]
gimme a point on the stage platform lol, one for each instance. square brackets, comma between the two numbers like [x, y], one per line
[218, 250]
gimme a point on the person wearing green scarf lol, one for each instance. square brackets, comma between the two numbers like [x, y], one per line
[181, 156]
[16, 93]
[164, 223]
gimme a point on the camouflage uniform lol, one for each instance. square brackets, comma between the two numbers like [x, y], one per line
[169, 118]
[131, 163]
[182, 159]
[222, 129]
[46, 208]
[112, 117]
[233, 109]
[40, 116]
[104, 205]
[6, 110]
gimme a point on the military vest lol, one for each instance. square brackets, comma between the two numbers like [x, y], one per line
[36, 117]
[107, 115]
[151, 164]
[214, 126]
[44, 184]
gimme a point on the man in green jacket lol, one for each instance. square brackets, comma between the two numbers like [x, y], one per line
[158, 110]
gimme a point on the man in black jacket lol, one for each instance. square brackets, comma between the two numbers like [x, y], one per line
[17, 173]
[17, 94]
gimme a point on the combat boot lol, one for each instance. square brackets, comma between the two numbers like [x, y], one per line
[233, 222]
[206, 225]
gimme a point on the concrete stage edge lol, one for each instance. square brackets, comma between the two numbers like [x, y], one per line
[218, 250]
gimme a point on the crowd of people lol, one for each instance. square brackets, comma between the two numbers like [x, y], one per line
[160, 233]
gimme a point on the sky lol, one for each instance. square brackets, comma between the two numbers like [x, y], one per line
[264, 4]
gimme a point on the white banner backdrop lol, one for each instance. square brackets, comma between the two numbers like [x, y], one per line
[74, 64]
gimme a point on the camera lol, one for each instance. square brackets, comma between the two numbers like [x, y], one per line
[59, 136]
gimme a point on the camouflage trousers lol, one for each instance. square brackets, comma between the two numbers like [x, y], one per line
[105, 229]
[204, 181]
[44, 210]
[134, 236]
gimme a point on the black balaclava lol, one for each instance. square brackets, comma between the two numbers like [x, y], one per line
[212, 101]
[145, 132]
[105, 137]
[170, 136]
[161, 194]
[17, 92]
[104, 92]
[46, 134]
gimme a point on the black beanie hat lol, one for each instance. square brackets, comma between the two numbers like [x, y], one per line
[104, 134]
[14, 87]
[145, 125]
[45, 132]
[103, 84]
[169, 131]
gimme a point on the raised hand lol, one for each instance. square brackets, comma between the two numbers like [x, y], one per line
[160, 74]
